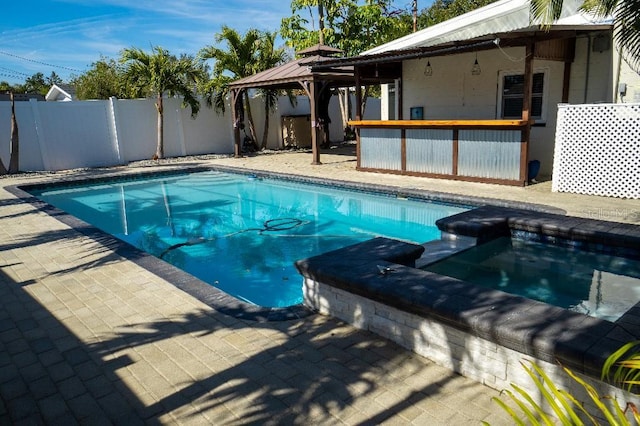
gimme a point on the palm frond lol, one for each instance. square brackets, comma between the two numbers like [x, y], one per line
[545, 12]
[625, 366]
[597, 400]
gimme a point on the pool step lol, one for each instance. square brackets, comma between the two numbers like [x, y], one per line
[440, 249]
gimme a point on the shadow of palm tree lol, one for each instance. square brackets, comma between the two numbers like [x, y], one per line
[48, 375]
[317, 370]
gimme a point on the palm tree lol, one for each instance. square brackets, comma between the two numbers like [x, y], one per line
[626, 25]
[159, 73]
[269, 57]
[14, 161]
[237, 61]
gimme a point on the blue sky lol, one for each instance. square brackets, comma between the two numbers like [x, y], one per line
[67, 36]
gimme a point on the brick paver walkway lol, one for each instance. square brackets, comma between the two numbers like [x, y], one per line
[88, 337]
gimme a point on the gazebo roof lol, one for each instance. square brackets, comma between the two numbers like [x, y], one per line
[291, 74]
[286, 76]
[320, 50]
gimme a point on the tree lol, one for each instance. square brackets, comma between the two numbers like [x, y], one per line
[102, 81]
[38, 83]
[443, 10]
[35, 84]
[53, 79]
[14, 156]
[347, 25]
[3, 169]
[159, 73]
[5, 87]
[269, 57]
[626, 26]
[239, 60]
[14, 159]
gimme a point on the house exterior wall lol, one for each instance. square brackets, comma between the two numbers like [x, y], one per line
[624, 74]
[591, 74]
[452, 92]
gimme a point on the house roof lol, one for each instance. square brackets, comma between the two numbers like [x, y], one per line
[18, 97]
[503, 16]
[61, 92]
[505, 23]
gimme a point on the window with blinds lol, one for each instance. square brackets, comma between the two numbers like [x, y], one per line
[513, 95]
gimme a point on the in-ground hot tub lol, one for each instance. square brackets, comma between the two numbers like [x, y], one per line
[480, 332]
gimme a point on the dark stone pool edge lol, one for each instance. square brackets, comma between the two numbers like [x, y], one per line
[211, 296]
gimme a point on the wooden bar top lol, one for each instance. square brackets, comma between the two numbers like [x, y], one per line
[438, 123]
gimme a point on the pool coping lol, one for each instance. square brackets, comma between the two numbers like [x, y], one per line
[530, 327]
[206, 293]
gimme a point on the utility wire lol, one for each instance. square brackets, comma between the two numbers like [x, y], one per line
[16, 76]
[38, 62]
[9, 70]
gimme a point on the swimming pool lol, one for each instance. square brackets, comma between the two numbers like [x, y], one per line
[242, 233]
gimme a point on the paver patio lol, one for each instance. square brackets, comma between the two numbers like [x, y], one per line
[89, 337]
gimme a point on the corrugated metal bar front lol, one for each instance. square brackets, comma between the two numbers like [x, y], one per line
[491, 154]
[430, 151]
[381, 149]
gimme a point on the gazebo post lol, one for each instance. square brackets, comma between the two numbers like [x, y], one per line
[358, 112]
[313, 94]
[237, 150]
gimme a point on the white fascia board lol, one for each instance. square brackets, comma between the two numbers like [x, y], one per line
[499, 17]
[434, 34]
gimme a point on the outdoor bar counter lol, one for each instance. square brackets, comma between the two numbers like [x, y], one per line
[492, 151]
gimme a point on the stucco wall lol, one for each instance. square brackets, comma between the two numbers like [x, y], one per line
[452, 92]
[623, 73]
[591, 74]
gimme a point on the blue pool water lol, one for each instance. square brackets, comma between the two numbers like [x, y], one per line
[599, 285]
[243, 234]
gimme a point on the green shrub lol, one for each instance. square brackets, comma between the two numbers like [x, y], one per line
[622, 368]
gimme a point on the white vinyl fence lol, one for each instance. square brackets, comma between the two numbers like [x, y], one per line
[597, 150]
[67, 135]
[78, 134]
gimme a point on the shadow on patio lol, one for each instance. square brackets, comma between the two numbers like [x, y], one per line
[201, 365]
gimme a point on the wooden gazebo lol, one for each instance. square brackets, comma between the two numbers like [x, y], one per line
[296, 74]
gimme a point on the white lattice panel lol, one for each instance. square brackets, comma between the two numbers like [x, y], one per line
[597, 150]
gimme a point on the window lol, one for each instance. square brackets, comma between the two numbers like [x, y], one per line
[512, 86]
